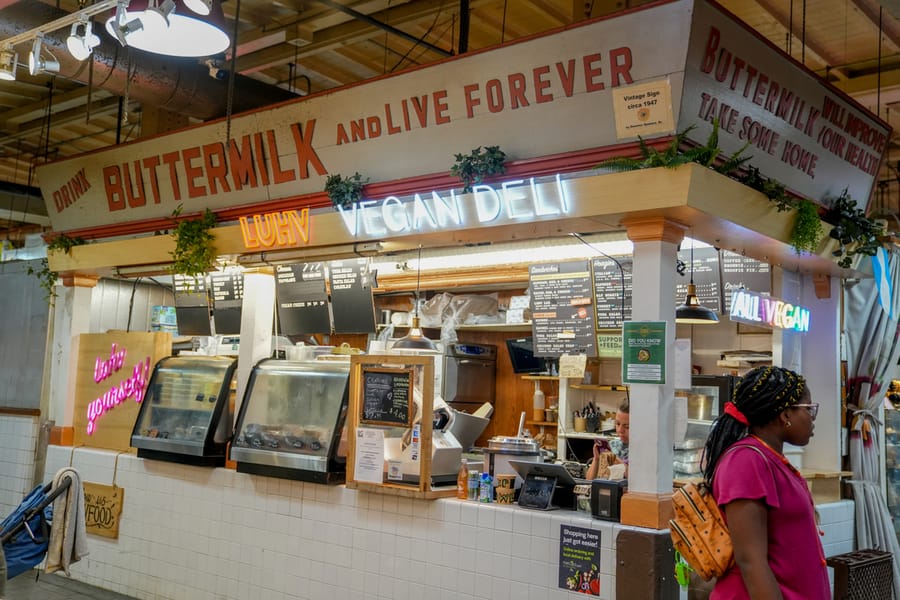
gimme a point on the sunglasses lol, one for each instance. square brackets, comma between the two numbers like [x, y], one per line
[812, 408]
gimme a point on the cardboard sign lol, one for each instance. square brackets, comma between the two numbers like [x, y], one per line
[103, 509]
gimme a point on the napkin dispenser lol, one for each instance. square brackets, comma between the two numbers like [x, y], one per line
[606, 498]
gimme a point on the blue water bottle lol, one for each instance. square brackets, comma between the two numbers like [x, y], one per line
[486, 491]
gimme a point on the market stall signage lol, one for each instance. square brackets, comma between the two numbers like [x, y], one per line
[579, 559]
[644, 352]
[755, 309]
[281, 229]
[103, 509]
[112, 372]
[514, 201]
[386, 397]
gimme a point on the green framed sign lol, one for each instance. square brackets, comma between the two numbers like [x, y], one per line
[644, 352]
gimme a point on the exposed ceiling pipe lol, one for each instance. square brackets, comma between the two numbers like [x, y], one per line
[180, 85]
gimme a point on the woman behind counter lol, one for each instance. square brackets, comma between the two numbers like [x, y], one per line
[767, 505]
[618, 447]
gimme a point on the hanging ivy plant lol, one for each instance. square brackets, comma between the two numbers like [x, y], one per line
[480, 163]
[674, 156]
[345, 191]
[46, 277]
[807, 229]
[195, 253]
[855, 233]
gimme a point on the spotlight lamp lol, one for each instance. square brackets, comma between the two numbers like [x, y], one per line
[156, 17]
[121, 27]
[8, 62]
[201, 7]
[36, 64]
[81, 45]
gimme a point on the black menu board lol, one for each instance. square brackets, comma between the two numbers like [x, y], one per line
[562, 309]
[386, 396]
[228, 297]
[191, 305]
[744, 272]
[706, 277]
[352, 304]
[612, 290]
[301, 298]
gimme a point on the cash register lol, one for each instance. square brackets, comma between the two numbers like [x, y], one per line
[546, 486]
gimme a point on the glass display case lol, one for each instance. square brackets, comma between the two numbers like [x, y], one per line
[186, 413]
[291, 421]
[892, 464]
[705, 402]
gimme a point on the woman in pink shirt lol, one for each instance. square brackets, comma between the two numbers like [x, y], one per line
[769, 510]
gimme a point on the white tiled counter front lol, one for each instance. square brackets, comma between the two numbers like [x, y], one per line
[197, 533]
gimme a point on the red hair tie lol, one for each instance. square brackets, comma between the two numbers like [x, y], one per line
[732, 409]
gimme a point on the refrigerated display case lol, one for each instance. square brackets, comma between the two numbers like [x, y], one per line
[705, 400]
[186, 413]
[892, 464]
[291, 421]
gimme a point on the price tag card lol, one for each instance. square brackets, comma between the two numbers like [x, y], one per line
[572, 365]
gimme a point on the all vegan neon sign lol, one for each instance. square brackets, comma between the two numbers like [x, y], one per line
[133, 387]
[518, 200]
[756, 309]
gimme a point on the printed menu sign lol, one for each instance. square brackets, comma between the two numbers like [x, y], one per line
[579, 559]
[352, 304]
[612, 290]
[744, 272]
[705, 275]
[562, 309]
[302, 299]
[191, 305]
[228, 297]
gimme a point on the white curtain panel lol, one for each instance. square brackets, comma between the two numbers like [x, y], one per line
[873, 351]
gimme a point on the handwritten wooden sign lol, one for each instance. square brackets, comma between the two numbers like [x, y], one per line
[102, 509]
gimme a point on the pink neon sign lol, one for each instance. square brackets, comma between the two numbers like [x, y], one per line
[133, 387]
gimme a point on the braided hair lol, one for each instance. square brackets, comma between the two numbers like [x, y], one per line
[760, 395]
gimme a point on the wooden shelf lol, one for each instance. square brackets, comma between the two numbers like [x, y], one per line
[598, 387]
[584, 435]
[541, 377]
[542, 423]
[510, 327]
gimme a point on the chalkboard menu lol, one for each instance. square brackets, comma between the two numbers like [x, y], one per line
[612, 290]
[562, 305]
[302, 299]
[352, 304]
[228, 297]
[387, 396]
[744, 272]
[191, 305]
[706, 277]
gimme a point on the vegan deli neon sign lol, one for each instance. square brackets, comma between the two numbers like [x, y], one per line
[518, 200]
[756, 309]
[133, 387]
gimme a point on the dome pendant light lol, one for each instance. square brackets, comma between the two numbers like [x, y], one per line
[177, 30]
[692, 312]
[415, 339]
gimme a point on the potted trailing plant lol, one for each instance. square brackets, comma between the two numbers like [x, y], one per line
[854, 232]
[674, 156]
[344, 191]
[194, 253]
[45, 276]
[480, 163]
[807, 230]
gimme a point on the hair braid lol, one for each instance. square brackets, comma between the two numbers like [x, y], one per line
[761, 395]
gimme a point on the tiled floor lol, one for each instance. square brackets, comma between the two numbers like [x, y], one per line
[55, 587]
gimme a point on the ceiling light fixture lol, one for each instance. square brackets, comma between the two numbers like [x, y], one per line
[188, 34]
[81, 45]
[36, 64]
[692, 312]
[8, 62]
[201, 7]
[122, 25]
[415, 339]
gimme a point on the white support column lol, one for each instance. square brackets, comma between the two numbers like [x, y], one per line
[648, 502]
[257, 314]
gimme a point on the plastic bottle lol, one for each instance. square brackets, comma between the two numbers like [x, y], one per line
[474, 485]
[486, 491]
[537, 403]
[462, 480]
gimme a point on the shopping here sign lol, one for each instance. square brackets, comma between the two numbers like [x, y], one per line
[582, 88]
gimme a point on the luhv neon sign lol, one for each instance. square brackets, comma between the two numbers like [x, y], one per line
[756, 309]
[132, 387]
